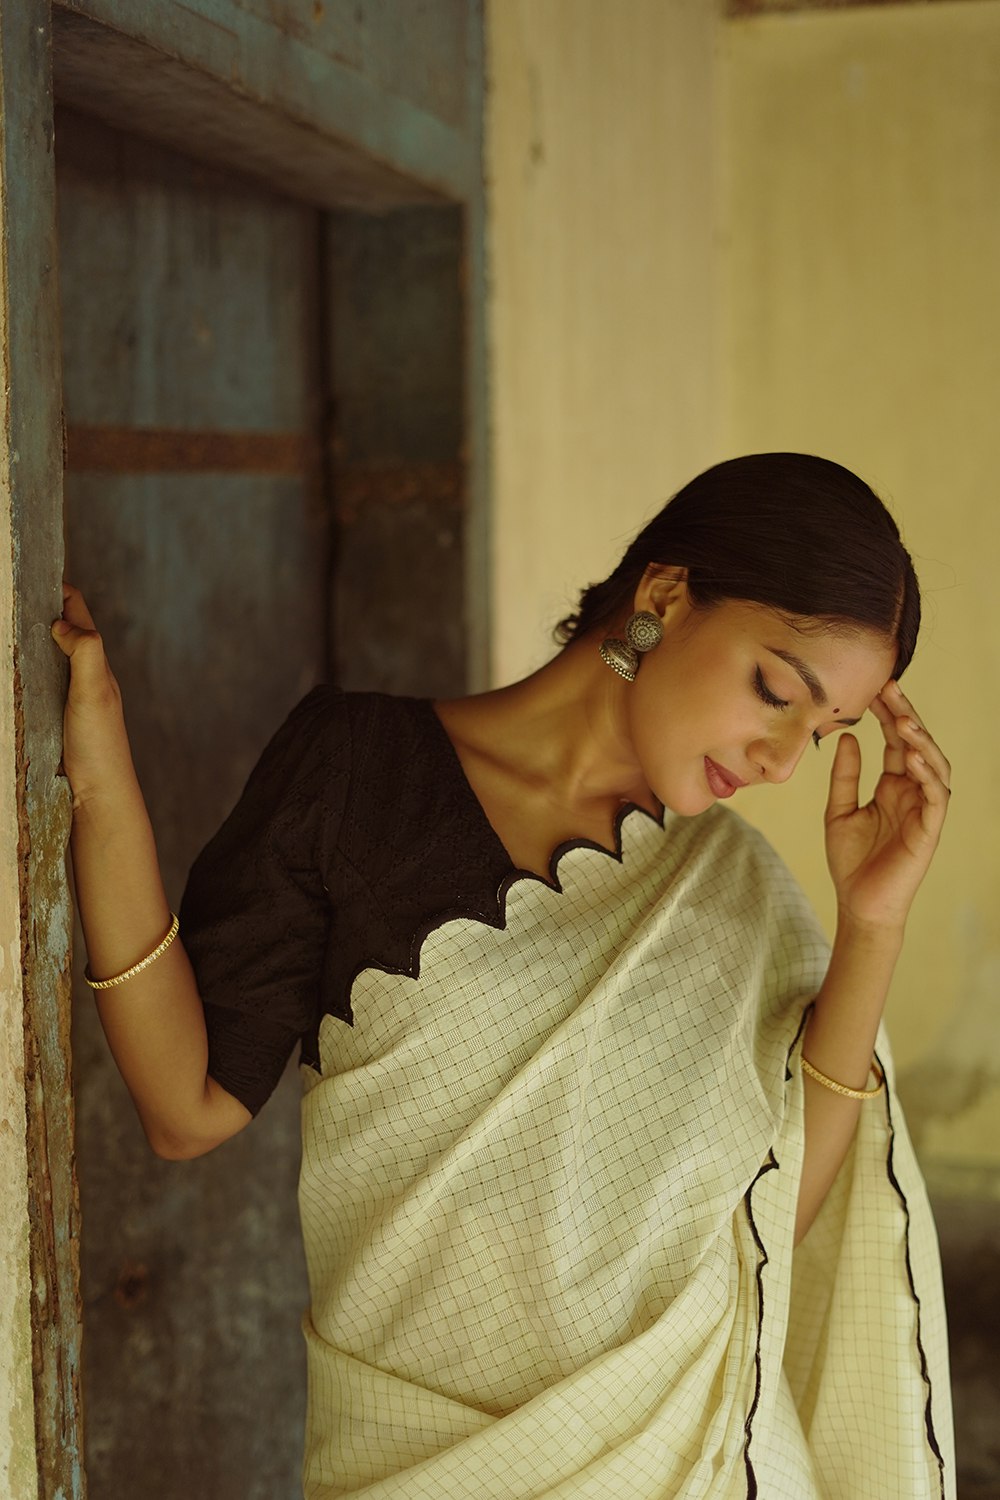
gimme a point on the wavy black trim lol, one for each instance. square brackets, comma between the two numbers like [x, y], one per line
[771, 1165]
[924, 1371]
[497, 916]
[894, 1181]
[807, 1012]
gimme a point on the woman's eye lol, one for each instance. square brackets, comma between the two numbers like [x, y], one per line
[764, 692]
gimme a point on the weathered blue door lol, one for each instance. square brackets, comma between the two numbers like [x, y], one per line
[197, 528]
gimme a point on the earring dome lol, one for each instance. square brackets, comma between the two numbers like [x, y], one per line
[643, 631]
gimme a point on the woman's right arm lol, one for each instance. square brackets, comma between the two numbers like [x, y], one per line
[154, 1022]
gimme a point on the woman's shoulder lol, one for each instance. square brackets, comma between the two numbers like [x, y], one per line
[331, 740]
[331, 719]
[384, 751]
[342, 767]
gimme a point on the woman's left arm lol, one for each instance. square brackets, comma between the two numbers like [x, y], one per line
[878, 854]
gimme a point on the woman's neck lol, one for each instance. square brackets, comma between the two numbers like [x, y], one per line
[562, 730]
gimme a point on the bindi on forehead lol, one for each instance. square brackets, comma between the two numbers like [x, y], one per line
[816, 689]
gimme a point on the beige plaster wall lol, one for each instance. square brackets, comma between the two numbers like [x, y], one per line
[602, 361]
[859, 156]
[715, 236]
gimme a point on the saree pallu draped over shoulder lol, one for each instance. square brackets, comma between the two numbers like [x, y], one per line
[548, 1196]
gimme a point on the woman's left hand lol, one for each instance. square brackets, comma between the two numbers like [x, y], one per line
[878, 854]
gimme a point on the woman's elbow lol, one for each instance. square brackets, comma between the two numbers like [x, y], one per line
[224, 1118]
[169, 1146]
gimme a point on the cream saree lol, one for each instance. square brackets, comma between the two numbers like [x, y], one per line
[548, 1193]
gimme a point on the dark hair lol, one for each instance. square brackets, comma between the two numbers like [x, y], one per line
[799, 534]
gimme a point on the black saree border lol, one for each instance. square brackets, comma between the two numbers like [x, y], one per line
[773, 1164]
[932, 1441]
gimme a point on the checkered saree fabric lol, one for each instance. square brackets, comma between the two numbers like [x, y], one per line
[548, 1195]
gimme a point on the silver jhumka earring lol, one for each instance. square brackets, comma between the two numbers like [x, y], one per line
[643, 631]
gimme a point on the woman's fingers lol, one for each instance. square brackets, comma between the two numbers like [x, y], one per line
[910, 734]
[920, 744]
[72, 639]
[912, 752]
[936, 790]
[845, 777]
[91, 679]
[894, 757]
[75, 625]
[75, 608]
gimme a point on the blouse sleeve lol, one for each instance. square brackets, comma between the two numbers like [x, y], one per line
[256, 911]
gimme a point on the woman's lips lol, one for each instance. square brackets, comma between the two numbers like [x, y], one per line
[722, 782]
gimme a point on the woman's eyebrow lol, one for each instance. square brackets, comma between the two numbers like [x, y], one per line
[812, 682]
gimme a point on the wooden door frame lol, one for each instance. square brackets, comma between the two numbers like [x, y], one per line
[41, 1435]
[44, 1451]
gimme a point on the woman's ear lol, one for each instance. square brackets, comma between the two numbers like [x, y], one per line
[662, 589]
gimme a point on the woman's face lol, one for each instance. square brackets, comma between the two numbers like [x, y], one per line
[733, 695]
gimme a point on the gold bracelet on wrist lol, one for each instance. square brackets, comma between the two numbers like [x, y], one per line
[108, 984]
[840, 1088]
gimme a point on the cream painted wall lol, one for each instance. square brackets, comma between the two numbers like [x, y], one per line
[860, 152]
[599, 168]
[711, 237]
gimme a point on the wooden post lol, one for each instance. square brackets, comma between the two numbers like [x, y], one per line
[40, 1433]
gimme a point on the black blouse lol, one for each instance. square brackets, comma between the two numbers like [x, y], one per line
[357, 832]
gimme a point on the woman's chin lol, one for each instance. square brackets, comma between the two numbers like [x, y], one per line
[689, 803]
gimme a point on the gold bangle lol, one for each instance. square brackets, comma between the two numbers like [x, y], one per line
[107, 984]
[840, 1088]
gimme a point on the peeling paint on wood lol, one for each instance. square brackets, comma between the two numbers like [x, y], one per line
[17, 1423]
[32, 433]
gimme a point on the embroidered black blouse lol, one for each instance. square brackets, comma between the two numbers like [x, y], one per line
[357, 831]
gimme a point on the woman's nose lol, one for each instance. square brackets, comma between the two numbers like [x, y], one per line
[778, 755]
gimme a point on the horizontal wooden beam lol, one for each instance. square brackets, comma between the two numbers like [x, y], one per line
[165, 450]
[270, 99]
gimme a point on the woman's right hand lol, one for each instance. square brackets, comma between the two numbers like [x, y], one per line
[95, 746]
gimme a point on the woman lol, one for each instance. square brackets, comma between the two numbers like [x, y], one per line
[605, 1190]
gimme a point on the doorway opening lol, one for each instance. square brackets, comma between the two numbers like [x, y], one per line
[265, 411]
